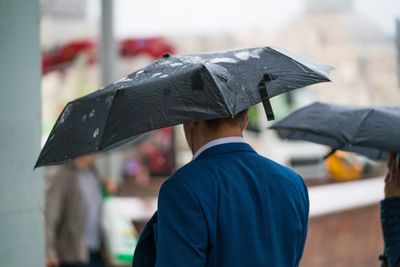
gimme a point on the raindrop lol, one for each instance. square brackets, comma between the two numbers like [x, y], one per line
[84, 118]
[163, 76]
[243, 55]
[156, 74]
[96, 132]
[222, 60]
[256, 53]
[176, 64]
[109, 100]
[66, 113]
[92, 113]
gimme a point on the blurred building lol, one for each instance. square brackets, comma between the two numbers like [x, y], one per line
[65, 20]
[363, 56]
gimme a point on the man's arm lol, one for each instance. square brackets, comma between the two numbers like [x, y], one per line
[181, 232]
[390, 214]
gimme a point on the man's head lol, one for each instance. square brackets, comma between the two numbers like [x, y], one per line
[199, 133]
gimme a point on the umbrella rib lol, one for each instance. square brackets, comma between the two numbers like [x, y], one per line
[216, 85]
[106, 120]
[363, 120]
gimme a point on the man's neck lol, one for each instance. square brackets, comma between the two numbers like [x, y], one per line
[208, 138]
[218, 141]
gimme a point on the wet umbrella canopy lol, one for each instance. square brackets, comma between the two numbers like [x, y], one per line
[372, 132]
[175, 90]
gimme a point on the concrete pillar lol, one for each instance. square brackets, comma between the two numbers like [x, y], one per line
[107, 44]
[21, 188]
[112, 161]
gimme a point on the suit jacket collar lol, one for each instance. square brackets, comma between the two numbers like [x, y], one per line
[225, 148]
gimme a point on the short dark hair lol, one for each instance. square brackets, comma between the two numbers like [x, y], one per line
[236, 120]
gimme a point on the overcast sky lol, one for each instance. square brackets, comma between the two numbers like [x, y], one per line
[147, 17]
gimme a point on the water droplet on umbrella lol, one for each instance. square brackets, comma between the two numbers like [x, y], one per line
[243, 55]
[125, 79]
[96, 132]
[92, 113]
[176, 64]
[256, 53]
[223, 60]
[84, 118]
[109, 100]
[156, 74]
[66, 113]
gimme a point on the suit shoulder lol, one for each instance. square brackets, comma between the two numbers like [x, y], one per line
[284, 172]
[194, 174]
[279, 167]
[192, 169]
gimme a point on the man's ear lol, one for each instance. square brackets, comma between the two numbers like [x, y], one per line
[245, 121]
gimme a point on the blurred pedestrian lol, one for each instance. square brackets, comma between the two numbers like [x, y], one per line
[72, 213]
[390, 215]
[228, 207]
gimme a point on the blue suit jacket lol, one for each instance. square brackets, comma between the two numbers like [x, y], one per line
[228, 207]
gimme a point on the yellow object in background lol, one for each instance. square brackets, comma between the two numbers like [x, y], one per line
[342, 166]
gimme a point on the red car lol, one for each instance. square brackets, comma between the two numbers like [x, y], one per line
[154, 47]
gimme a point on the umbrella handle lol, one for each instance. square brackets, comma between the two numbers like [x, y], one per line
[262, 88]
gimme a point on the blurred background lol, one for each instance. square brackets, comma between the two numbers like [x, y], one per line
[83, 45]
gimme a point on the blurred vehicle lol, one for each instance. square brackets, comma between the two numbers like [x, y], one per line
[343, 166]
[65, 54]
[155, 47]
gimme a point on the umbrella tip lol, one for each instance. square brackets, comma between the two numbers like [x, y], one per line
[37, 165]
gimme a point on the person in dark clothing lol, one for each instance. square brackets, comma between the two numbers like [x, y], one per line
[390, 215]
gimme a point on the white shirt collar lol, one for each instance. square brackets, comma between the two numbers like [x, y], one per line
[219, 141]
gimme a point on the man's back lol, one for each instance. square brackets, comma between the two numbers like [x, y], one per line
[232, 207]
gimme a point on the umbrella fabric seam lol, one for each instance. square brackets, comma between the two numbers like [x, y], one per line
[359, 126]
[216, 85]
[106, 120]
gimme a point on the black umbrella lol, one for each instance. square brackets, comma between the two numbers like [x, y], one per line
[373, 132]
[175, 90]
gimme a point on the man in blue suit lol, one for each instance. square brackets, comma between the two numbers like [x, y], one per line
[228, 207]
